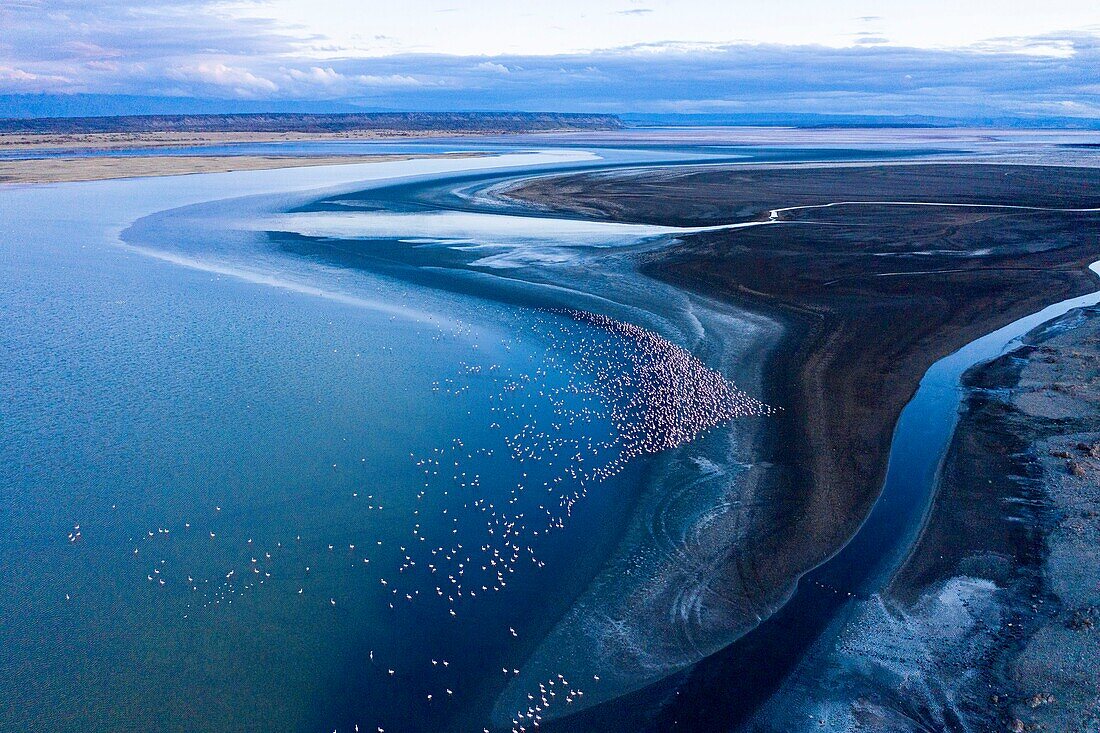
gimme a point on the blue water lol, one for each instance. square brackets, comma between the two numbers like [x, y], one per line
[217, 429]
[140, 396]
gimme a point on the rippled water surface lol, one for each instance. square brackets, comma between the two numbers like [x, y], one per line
[309, 449]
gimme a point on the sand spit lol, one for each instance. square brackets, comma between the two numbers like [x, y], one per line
[63, 170]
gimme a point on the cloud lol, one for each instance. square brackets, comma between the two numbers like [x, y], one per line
[313, 82]
[494, 67]
[55, 30]
[1031, 46]
[634, 11]
[9, 73]
[83, 49]
[198, 48]
[242, 82]
[20, 80]
[868, 78]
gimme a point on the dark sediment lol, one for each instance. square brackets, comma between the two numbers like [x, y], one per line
[862, 330]
[990, 624]
[703, 196]
[870, 296]
[1019, 505]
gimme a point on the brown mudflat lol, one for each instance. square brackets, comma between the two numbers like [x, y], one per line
[869, 295]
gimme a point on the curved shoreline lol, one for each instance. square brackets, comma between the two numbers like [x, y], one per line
[991, 632]
[890, 531]
[664, 309]
[821, 574]
[772, 220]
[275, 368]
[710, 681]
[700, 527]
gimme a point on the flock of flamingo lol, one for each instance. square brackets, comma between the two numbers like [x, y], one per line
[602, 394]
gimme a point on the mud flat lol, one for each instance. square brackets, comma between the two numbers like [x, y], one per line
[871, 292]
[990, 624]
[871, 296]
[1018, 508]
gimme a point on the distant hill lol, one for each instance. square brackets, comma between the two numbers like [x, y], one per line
[472, 122]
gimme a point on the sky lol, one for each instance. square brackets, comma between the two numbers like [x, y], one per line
[935, 57]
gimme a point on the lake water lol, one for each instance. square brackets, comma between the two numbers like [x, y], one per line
[295, 450]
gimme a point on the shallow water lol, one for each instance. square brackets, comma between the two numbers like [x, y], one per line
[141, 397]
[264, 366]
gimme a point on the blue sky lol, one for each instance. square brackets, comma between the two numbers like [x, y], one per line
[937, 57]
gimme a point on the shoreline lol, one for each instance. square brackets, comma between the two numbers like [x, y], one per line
[842, 392]
[986, 626]
[100, 168]
[126, 140]
[1020, 482]
[635, 607]
[394, 265]
[845, 389]
[858, 256]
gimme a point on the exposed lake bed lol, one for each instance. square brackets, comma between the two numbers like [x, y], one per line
[988, 625]
[907, 274]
